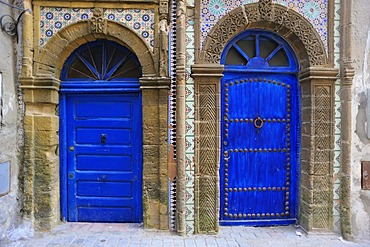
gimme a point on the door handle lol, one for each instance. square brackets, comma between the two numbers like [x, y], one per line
[103, 138]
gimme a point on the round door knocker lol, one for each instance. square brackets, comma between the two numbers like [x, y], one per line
[258, 123]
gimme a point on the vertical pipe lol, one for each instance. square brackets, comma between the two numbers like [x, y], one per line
[180, 116]
[346, 79]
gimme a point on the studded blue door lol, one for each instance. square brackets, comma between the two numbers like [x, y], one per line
[101, 134]
[259, 138]
[104, 157]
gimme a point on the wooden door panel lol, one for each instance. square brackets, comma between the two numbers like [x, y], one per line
[259, 149]
[104, 157]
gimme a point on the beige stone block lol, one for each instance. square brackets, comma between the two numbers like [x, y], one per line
[305, 222]
[307, 115]
[46, 123]
[46, 138]
[28, 123]
[306, 128]
[307, 181]
[27, 95]
[150, 97]
[321, 217]
[306, 166]
[306, 195]
[45, 96]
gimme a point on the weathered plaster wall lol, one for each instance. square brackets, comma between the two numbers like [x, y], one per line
[361, 143]
[9, 213]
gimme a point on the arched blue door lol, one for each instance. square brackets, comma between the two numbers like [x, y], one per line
[101, 135]
[259, 131]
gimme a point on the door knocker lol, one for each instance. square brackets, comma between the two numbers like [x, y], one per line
[258, 123]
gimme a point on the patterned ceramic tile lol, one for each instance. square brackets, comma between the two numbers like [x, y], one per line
[189, 144]
[190, 179]
[336, 202]
[189, 100]
[53, 19]
[189, 110]
[190, 91]
[189, 127]
[189, 215]
[314, 10]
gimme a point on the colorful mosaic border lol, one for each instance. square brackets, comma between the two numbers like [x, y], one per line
[190, 127]
[337, 131]
[52, 19]
[315, 11]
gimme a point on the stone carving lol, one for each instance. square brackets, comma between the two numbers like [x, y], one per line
[163, 7]
[322, 182]
[97, 23]
[208, 157]
[265, 9]
[253, 14]
[208, 188]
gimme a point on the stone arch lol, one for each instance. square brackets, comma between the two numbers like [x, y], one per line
[51, 58]
[289, 24]
[41, 120]
[317, 85]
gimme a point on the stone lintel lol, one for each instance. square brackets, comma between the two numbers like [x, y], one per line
[317, 73]
[155, 83]
[207, 70]
[42, 82]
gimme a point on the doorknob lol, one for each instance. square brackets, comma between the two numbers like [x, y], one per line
[103, 138]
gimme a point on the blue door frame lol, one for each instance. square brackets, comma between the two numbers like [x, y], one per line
[100, 135]
[260, 132]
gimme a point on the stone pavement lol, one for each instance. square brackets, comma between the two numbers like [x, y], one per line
[119, 235]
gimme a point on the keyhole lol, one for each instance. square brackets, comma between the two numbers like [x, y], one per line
[103, 138]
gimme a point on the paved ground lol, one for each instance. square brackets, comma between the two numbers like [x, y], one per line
[119, 235]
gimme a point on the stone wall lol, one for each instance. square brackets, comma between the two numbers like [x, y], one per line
[360, 200]
[9, 213]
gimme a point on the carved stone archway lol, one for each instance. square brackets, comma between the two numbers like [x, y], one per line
[316, 78]
[40, 84]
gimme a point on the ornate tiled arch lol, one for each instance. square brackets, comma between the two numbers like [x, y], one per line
[289, 24]
[41, 86]
[317, 83]
[59, 47]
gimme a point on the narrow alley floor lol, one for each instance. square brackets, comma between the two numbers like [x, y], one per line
[119, 235]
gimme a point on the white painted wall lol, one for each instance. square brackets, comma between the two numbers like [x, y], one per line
[9, 150]
[360, 199]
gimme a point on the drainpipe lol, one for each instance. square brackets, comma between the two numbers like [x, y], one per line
[180, 116]
[346, 79]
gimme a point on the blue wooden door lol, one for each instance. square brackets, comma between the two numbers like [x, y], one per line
[104, 157]
[259, 135]
[101, 134]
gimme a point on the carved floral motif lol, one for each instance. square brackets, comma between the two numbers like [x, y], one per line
[97, 23]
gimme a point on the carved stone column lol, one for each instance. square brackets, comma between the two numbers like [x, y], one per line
[207, 145]
[347, 74]
[317, 147]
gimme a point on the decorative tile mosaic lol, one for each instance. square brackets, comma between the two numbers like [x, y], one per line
[336, 170]
[315, 11]
[189, 101]
[53, 19]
